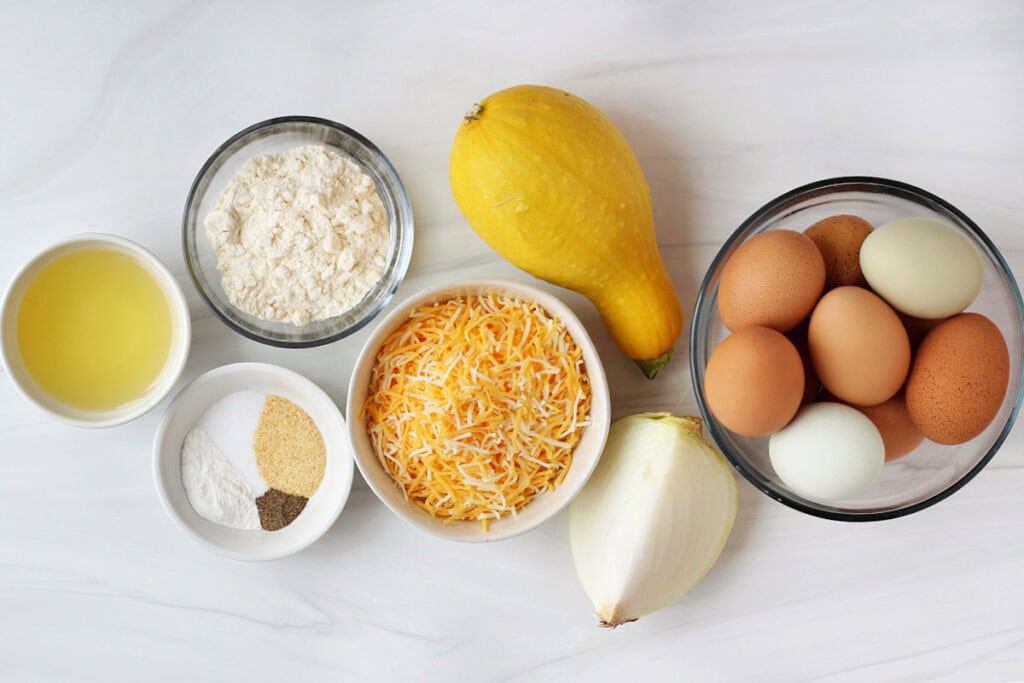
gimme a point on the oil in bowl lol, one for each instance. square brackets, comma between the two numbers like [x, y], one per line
[94, 328]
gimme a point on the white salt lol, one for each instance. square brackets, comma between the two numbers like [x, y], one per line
[231, 424]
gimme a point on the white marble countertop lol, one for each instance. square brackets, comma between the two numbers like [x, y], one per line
[109, 109]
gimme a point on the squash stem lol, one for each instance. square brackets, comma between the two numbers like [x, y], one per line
[474, 113]
[652, 367]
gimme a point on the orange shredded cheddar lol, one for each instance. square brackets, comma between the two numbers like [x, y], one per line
[475, 405]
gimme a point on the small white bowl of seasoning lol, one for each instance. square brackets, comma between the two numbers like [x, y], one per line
[251, 460]
[95, 330]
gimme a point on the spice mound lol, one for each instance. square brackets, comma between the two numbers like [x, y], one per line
[299, 236]
[252, 461]
[475, 406]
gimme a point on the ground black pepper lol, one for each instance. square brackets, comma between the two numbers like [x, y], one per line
[279, 509]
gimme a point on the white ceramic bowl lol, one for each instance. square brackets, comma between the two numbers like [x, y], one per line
[544, 505]
[181, 332]
[242, 544]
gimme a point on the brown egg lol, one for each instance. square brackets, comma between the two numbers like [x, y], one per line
[773, 280]
[825, 396]
[839, 239]
[899, 434]
[858, 346]
[917, 328]
[812, 385]
[754, 381]
[959, 379]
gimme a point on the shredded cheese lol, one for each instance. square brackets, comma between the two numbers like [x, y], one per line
[476, 404]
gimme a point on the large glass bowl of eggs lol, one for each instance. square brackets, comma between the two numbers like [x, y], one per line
[856, 349]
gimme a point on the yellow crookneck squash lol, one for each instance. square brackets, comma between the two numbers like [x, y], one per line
[549, 183]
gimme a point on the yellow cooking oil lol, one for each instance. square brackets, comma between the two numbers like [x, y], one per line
[94, 329]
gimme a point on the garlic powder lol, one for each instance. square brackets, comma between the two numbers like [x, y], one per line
[299, 236]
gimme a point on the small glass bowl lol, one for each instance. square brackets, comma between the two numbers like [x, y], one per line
[932, 471]
[280, 135]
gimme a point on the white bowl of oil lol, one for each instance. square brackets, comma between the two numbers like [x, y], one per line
[95, 330]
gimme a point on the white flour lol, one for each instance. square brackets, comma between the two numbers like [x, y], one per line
[299, 236]
[215, 489]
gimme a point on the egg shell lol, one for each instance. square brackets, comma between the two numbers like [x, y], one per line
[917, 328]
[859, 347]
[812, 385]
[754, 381]
[959, 379]
[893, 422]
[828, 452]
[772, 280]
[839, 239]
[922, 267]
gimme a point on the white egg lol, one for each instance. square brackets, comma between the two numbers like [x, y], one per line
[829, 451]
[922, 267]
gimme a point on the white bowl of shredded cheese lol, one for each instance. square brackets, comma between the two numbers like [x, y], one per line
[477, 411]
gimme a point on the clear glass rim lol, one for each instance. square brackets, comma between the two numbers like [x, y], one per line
[852, 184]
[398, 260]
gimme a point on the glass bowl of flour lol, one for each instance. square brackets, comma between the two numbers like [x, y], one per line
[297, 231]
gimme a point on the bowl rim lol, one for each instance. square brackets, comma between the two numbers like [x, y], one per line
[839, 183]
[600, 395]
[401, 198]
[176, 303]
[159, 449]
